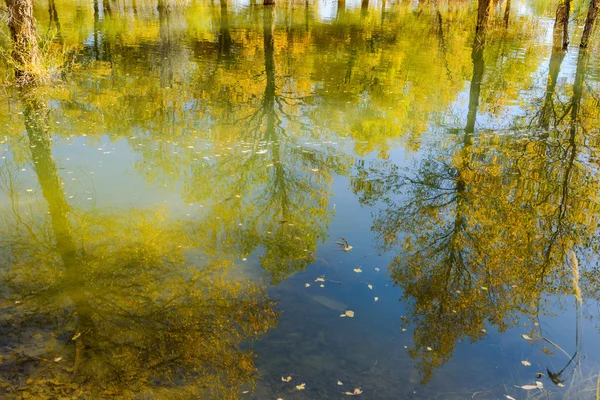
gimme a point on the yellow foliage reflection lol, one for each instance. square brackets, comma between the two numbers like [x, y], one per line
[104, 304]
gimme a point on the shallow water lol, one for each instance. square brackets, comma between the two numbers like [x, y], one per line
[178, 205]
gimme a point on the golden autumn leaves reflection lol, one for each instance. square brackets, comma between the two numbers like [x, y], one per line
[490, 225]
[105, 305]
[254, 113]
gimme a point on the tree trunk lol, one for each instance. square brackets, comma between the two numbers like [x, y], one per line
[364, 8]
[269, 47]
[547, 111]
[225, 41]
[561, 25]
[582, 64]
[341, 9]
[478, 67]
[475, 89]
[54, 20]
[21, 24]
[40, 145]
[589, 23]
[507, 13]
[483, 14]
[166, 48]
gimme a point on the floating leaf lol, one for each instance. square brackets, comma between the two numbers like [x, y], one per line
[376, 298]
[289, 378]
[356, 392]
[57, 359]
[306, 284]
[339, 383]
[301, 386]
[320, 279]
[429, 348]
[75, 336]
[484, 288]
[526, 337]
[509, 397]
[348, 313]
[344, 245]
[376, 269]
[357, 270]
[538, 385]
[370, 286]
[321, 285]
[314, 169]
[526, 363]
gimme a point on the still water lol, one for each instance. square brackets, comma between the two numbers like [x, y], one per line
[307, 201]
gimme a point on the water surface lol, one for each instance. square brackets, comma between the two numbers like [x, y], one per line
[178, 205]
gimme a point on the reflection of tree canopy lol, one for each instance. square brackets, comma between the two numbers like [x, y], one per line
[106, 304]
[271, 184]
[185, 82]
[484, 223]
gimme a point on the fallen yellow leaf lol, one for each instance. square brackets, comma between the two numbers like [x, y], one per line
[75, 336]
[526, 363]
[357, 270]
[301, 386]
[289, 378]
[356, 392]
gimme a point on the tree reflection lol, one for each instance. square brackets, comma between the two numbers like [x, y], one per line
[270, 185]
[105, 304]
[485, 223]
